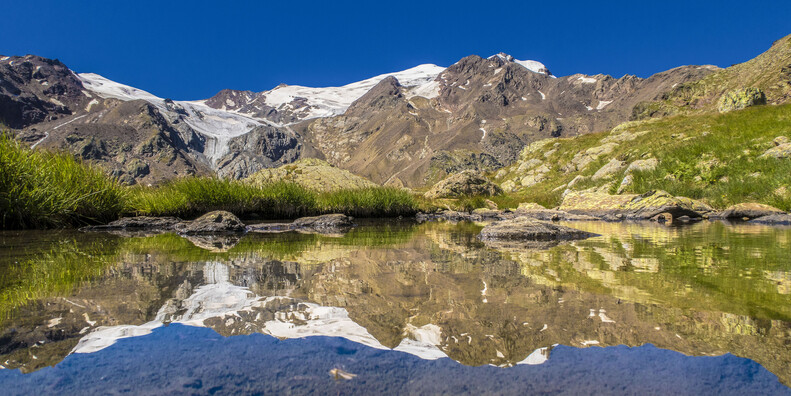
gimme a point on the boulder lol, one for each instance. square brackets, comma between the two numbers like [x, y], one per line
[773, 219]
[631, 206]
[463, 184]
[217, 222]
[740, 98]
[609, 169]
[782, 150]
[526, 229]
[139, 223]
[324, 224]
[648, 164]
[749, 211]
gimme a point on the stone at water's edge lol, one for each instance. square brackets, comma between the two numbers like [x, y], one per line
[326, 224]
[749, 210]
[216, 222]
[463, 184]
[139, 223]
[774, 219]
[632, 206]
[526, 229]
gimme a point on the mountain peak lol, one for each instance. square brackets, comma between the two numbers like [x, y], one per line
[533, 66]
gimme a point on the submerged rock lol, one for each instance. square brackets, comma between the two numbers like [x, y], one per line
[749, 211]
[217, 222]
[325, 224]
[526, 229]
[462, 184]
[139, 223]
[632, 206]
[774, 219]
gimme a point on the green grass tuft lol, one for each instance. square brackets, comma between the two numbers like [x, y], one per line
[39, 189]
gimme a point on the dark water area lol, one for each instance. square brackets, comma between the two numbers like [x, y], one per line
[399, 308]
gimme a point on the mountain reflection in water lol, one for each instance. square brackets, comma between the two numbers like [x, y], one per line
[431, 291]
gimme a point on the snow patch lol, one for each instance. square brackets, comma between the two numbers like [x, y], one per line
[586, 80]
[542, 95]
[602, 104]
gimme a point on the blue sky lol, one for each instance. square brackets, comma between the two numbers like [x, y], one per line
[192, 49]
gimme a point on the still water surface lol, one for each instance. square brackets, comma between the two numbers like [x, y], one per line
[400, 308]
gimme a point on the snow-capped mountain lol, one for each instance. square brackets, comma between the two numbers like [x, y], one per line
[403, 128]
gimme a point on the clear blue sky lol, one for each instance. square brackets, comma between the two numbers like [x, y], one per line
[192, 49]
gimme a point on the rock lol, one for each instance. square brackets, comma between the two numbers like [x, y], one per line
[609, 169]
[217, 222]
[631, 206]
[582, 159]
[553, 215]
[464, 183]
[139, 223]
[774, 219]
[525, 229]
[509, 186]
[526, 206]
[740, 99]
[577, 180]
[642, 165]
[485, 214]
[781, 140]
[625, 183]
[325, 224]
[782, 150]
[312, 174]
[749, 211]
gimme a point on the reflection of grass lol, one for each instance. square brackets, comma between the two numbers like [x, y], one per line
[53, 273]
[706, 267]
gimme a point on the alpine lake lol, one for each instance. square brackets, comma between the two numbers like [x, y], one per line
[398, 307]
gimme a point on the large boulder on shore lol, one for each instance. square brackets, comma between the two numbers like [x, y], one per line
[461, 184]
[217, 222]
[526, 229]
[632, 206]
[749, 211]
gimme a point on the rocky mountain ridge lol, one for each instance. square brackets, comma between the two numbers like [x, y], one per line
[409, 128]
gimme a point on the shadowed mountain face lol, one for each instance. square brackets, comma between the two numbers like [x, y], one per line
[431, 290]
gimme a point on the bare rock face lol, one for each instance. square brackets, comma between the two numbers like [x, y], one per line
[741, 98]
[632, 206]
[463, 184]
[217, 222]
[525, 229]
[749, 211]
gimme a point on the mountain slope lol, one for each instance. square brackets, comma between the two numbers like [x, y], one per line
[770, 72]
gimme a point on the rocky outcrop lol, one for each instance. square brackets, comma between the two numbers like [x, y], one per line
[325, 224]
[782, 148]
[749, 211]
[525, 229]
[629, 206]
[217, 222]
[740, 98]
[313, 174]
[467, 183]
